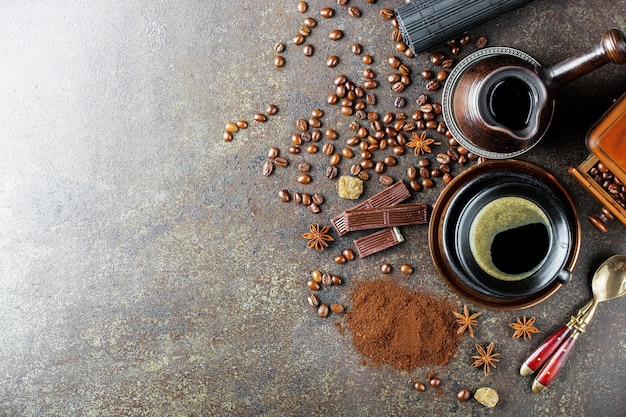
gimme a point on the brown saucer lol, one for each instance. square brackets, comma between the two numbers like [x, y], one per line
[453, 271]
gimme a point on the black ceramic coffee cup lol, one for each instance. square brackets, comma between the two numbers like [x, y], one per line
[506, 234]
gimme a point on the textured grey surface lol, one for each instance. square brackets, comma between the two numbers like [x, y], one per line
[148, 268]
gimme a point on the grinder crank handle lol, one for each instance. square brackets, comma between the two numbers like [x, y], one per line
[541, 355]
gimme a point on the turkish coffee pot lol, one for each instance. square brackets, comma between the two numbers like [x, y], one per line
[498, 102]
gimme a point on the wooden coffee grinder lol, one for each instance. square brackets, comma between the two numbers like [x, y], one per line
[603, 173]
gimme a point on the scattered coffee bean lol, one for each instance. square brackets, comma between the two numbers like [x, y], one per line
[354, 12]
[465, 40]
[326, 279]
[314, 208]
[464, 394]
[386, 13]
[385, 180]
[406, 269]
[340, 259]
[323, 310]
[279, 61]
[336, 280]
[298, 39]
[331, 172]
[307, 50]
[268, 168]
[337, 308]
[348, 254]
[332, 61]
[281, 162]
[303, 6]
[315, 286]
[316, 275]
[367, 59]
[279, 47]
[335, 35]
[327, 12]
[310, 22]
[421, 99]
[434, 382]
[399, 102]
[419, 386]
[284, 196]
[272, 109]
[260, 117]
[304, 167]
[437, 58]
[386, 268]
[313, 300]
[432, 85]
[356, 49]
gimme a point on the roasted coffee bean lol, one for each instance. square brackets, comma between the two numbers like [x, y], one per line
[481, 42]
[386, 13]
[326, 279]
[447, 177]
[272, 109]
[394, 62]
[423, 163]
[331, 172]
[399, 102]
[369, 74]
[415, 186]
[306, 199]
[398, 149]
[307, 50]
[401, 46]
[336, 280]
[431, 125]
[404, 69]
[310, 22]
[448, 63]
[331, 134]
[279, 47]
[421, 99]
[396, 35]
[268, 168]
[297, 197]
[406, 269]
[315, 286]
[405, 79]
[434, 382]
[304, 167]
[281, 162]
[393, 78]
[357, 49]
[315, 123]
[370, 98]
[298, 39]
[370, 84]
[437, 58]
[441, 76]
[385, 180]
[318, 199]
[305, 30]
[379, 167]
[284, 196]
[294, 150]
[455, 50]
[464, 394]
[411, 172]
[443, 158]
[340, 259]
[398, 87]
[335, 35]
[432, 85]
[260, 117]
[465, 40]
[428, 183]
[303, 6]
[436, 172]
[332, 61]
[334, 159]
[332, 99]
[427, 74]
[348, 254]
[337, 308]
[302, 125]
[272, 153]
[279, 61]
[313, 300]
[367, 59]
[386, 268]
[354, 12]
[327, 12]
[390, 160]
[419, 386]
[328, 148]
[314, 208]
[304, 178]
[347, 153]
[323, 310]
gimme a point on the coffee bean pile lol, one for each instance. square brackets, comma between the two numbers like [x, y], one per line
[609, 182]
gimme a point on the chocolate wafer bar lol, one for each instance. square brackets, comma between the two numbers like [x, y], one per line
[390, 196]
[378, 241]
[388, 216]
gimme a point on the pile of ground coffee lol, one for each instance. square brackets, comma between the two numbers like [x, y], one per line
[395, 325]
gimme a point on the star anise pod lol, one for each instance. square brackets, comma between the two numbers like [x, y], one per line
[318, 238]
[421, 143]
[466, 321]
[524, 328]
[485, 358]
